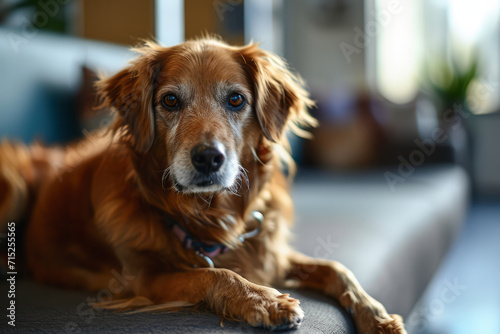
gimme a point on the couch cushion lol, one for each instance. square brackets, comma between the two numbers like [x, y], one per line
[393, 239]
[40, 78]
[51, 310]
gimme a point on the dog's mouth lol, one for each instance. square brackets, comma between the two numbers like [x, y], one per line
[205, 183]
[200, 184]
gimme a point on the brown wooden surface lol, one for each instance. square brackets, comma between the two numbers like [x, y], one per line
[118, 21]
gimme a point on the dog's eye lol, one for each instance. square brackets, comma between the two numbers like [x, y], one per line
[170, 101]
[236, 101]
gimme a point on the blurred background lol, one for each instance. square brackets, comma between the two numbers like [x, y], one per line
[408, 95]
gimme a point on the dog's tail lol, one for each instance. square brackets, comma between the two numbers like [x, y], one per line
[23, 169]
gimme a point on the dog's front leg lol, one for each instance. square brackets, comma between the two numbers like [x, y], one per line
[335, 280]
[227, 294]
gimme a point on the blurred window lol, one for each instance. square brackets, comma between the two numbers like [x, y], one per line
[409, 39]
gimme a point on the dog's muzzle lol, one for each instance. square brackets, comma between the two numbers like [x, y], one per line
[207, 167]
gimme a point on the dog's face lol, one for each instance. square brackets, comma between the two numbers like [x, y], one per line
[201, 108]
[203, 104]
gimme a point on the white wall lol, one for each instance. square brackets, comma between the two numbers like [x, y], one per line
[312, 43]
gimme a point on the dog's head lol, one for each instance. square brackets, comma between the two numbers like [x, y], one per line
[204, 106]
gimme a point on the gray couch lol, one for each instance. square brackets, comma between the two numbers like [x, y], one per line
[393, 240]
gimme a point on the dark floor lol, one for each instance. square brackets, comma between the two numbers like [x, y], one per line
[464, 296]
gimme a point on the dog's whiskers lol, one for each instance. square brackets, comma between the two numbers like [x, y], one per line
[256, 156]
[232, 191]
[243, 176]
[209, 201]
[164, 176]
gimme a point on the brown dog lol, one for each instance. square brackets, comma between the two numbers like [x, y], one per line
[185, 192]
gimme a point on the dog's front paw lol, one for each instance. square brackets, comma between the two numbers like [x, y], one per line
[274, 310]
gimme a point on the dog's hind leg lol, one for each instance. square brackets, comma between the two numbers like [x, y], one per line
[14, 182]
[22, 171]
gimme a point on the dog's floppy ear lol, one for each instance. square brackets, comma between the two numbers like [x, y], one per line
[130, 93]
[280, 99]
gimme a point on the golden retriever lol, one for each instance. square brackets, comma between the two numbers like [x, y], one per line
[185, 191]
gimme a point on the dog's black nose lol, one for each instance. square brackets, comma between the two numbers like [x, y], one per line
[208, 158]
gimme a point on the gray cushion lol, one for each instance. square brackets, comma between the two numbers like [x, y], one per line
[40, 78]
[51, 310]
[393, 239]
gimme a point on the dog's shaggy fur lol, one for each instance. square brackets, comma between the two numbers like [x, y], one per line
[102, 205]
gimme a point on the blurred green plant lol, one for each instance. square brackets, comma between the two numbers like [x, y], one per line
[446, 81]
[57, 22]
